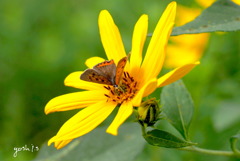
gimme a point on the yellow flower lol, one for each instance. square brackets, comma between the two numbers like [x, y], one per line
[204, 3]
[236, 1]
[187, 48]
[99, 100]
[208, 3]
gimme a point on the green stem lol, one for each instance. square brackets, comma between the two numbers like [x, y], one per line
[233, 142]
[143, 130]
[211, 152]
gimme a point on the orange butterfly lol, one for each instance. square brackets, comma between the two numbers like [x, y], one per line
[106, 72]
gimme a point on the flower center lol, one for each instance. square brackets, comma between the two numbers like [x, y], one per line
[125, 91]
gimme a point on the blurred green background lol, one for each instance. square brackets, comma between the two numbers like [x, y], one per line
[41, 42]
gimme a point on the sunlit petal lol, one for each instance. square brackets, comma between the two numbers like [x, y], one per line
[84, 121]
[61, 144]
[73, 80]
[181, 55]
[124, 112]
[139, 37]
[74, 101]
[175, 74]
[91, 62]
[110, 37]
[204, 3]
[155, 55]
[148, 88]
[186, 48]
[236, 1]
[186, 14]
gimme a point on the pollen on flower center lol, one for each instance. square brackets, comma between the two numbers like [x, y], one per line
[125, 91]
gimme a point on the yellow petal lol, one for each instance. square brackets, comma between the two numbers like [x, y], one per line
[61, 144]
[175, 74]
[155, 55]
[198, 41]
[151, 87]
[84, 121]
[205, 3]
[138, 40]
[73, 80]
[181, 55]
[236, 1]
[74, 101]
[91, 62]
[186, 14]
[110, 36]
[147, 89]
[124, 112]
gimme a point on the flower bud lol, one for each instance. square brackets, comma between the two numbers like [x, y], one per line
[148, 112]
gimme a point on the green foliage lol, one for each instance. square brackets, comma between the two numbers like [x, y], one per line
[164, 139]
[223, 15]
[178, 106]
[124, 147]
[233, 141]
[229, 110]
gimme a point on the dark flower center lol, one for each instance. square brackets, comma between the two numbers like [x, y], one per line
[125, 91]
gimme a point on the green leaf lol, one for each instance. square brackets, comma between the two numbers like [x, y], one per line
[164, 139]
[233, 141]
[99, 146]
[226, 114]
[223, 15]
[178, 106]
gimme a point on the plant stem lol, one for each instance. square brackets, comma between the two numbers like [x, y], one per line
[211, 152]
[143, 130]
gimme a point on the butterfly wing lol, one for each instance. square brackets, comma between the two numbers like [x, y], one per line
[107, 69]
[92, 75]
[120, 68]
